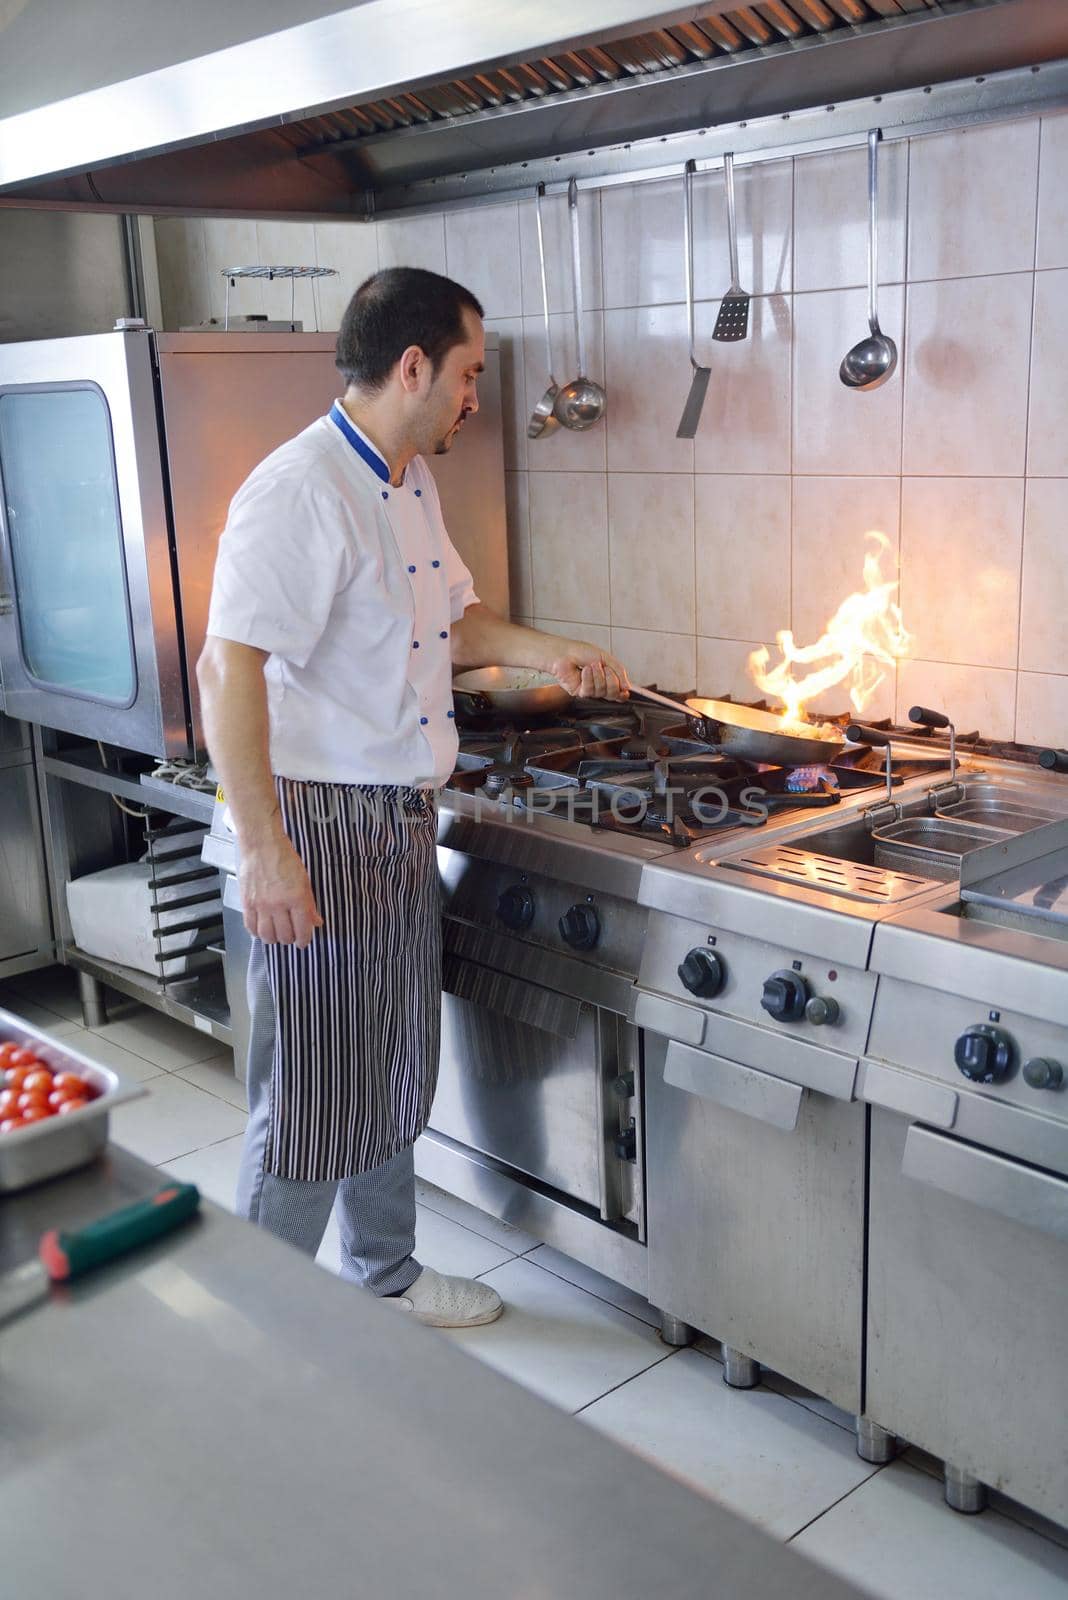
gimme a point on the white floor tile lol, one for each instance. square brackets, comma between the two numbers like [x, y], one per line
[35, 1015]
[576, 1272]
[752, 1450]
[159, 1039]
[108, 1053]
[216, 1075]
[213, 1170]
[439, 1243]
[173, 1119]
[514, 1240]
[895, 1536]
[55, 988]
[558, 1340]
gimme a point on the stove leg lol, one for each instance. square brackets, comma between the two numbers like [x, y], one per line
[674, 1331]
[741, 1372]
[91, 995]
[963, 1492]
[874, 1444]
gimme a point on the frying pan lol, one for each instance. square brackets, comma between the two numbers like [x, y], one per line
[753, 735]
[518, 690]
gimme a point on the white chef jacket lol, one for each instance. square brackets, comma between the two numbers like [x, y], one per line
[352, 586]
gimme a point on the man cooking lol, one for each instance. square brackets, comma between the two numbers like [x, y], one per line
[338, 612]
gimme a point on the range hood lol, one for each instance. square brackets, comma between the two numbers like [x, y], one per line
[326, 109]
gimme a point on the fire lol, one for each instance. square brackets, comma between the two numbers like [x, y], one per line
[861, 641]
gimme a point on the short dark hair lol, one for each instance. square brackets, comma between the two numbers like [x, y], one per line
[395, 308]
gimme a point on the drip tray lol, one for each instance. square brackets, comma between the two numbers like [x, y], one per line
[851, 880]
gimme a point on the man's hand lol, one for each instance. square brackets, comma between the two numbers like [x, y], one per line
[482, 639]
[590, 673]
[277, 894]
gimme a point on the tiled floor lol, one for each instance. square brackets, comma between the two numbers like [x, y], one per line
[775, 1454]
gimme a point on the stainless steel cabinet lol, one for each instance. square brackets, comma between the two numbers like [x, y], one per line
[25, 924]
[756, 1214]
[968, 1309]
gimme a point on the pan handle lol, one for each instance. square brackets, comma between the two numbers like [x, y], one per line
[928, 719]
[473, 700]
[812, 798]
[858, 733]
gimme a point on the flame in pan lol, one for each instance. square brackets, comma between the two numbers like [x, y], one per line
[860, 643]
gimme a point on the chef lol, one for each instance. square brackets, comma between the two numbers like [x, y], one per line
[338, 612]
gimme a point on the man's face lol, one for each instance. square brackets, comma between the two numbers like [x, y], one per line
[452, 395]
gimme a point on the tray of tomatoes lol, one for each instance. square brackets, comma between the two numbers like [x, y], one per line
[54, 1105]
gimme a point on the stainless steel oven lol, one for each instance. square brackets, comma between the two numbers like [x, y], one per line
[539, 1112]
[88, 612]
[527, 1076]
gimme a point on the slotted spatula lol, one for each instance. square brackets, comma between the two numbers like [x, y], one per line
[733, 320]
[691, 415]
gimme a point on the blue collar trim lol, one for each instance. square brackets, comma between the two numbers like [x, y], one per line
[359, 444]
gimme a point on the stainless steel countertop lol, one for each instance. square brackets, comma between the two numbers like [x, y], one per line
[218, 1416]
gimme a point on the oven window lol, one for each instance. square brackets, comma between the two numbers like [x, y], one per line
[61, 508]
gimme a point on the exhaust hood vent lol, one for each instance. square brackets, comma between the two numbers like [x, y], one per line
[409, 134]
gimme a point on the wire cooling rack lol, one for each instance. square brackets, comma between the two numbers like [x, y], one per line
[231, 274]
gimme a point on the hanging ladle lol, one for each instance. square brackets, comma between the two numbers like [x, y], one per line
[542, 418]
[871, 362]
[581, 402]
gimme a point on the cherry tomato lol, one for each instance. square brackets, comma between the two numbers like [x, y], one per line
[40, 1077]
[7, 1049]
[70, 1105]
[9, 1099]
[10, 1124]
[36, 1114]
[59, 1096]
[37, 1098]
[22, 1056]
[70, 1083]
[14, 1077]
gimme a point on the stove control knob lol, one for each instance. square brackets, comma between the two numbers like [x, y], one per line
[1042, 1073]
[703, 973]
[580, 927]
[515, 907]
[785, 996]
[985, 1054]
[821, 1009]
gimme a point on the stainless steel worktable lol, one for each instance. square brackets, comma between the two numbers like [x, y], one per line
[217, 1416]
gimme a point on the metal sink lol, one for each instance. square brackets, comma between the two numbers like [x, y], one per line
[882, 862]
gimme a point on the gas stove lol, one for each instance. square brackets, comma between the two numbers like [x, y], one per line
[631, 771]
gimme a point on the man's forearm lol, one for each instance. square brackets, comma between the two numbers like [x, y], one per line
[233, 698]
[483, 639]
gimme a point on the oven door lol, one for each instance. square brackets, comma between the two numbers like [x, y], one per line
[528, 1076]
[756, 1200]
[968, 1308]
[88, 629]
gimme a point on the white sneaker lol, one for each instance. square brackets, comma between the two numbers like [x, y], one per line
[441, 1302]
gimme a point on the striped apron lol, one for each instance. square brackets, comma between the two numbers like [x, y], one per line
[357, 1013]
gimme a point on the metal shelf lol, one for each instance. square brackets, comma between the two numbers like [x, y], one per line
[74, 767]
[198, 1000]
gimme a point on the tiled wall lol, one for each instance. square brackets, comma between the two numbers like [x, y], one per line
[683, 556]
